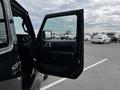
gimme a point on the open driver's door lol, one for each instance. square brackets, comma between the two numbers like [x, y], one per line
[60, 45]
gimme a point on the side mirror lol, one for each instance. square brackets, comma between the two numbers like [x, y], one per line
[24, 27]
[47, 34]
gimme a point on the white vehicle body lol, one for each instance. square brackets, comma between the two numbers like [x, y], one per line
[55, 36]
[69, 36]
[100, 38]
[87, 37]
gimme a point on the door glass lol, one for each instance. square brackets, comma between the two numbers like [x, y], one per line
[61, 28]
[20, 27]
[3, 34]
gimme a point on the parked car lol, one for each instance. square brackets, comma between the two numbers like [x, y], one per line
[62, 36]
[118, 38]
[87, 37]
[115, 37]
[69, 36]
[55, 36]
[100, 38]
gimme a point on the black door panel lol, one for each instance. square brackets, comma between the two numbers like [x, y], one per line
[61, 52]
[7, 64]
[58, 56]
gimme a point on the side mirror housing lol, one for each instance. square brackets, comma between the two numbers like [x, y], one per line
[47, 34]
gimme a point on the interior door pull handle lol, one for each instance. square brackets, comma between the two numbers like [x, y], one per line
[47, 44]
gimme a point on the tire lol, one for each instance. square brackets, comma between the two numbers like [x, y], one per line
[67, 38]
[115, 41]
[92, 42]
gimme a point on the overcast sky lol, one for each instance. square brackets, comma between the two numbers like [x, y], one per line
[100, 15]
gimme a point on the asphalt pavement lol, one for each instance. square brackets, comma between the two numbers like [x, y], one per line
[101, 70]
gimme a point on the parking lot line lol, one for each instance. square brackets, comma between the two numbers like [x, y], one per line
[96, 64]
[63, 79]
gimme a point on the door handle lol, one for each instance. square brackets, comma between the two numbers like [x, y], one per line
[16, 68]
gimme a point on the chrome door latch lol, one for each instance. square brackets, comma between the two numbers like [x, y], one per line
[16, 68]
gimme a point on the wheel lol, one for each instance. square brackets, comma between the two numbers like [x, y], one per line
[67, 38]
[115, 41]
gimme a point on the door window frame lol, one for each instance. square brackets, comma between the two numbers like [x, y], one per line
[7, 47]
